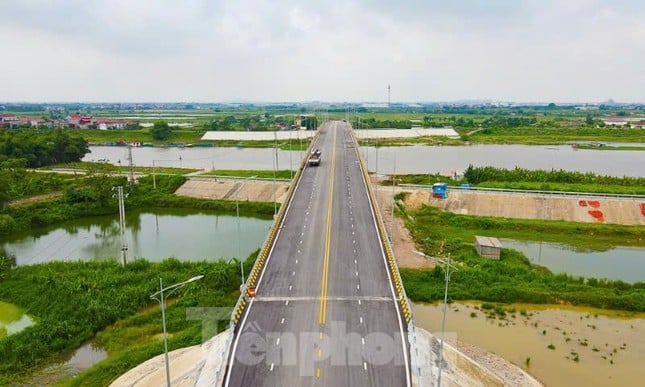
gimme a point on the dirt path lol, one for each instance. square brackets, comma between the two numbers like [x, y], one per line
[34, 199]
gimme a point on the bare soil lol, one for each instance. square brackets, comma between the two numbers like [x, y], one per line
[233, 189]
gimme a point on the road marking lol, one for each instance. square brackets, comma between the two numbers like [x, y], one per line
[318, 372]
[357, 274]
[359, 301]
[296, 261]
[293, 273]
[365, 366]
[358, 287]
[282, 321]
[362, 340]
[287, 302]
[271, 369]
[277, 341]
[319, 353]
[360, 319]
[290, 287]
[325, 272]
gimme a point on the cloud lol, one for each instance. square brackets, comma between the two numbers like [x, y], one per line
[350, 50]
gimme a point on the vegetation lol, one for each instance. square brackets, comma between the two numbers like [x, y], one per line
[72, 302]
[513, 278]
[36, 148]
[93, 195]
[161, 131]
[281, 174]
[476, 175]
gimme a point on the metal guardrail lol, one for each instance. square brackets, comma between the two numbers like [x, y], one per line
[404, 302]
[527, 191]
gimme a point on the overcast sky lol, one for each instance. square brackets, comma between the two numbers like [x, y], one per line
[304, 50]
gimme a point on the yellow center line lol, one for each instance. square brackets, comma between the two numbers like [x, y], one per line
[325, 272]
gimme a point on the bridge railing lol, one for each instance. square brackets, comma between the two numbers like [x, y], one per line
[387, 246]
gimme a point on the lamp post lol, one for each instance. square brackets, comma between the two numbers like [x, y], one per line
[447, 268]
[237, 211]
[161, 298]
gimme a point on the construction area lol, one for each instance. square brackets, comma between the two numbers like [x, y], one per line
[234, 189]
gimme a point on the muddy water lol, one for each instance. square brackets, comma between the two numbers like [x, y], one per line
[598, 340]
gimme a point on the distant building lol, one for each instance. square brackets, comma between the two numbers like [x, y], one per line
[103, 124]
[614, 121]
[76, 121]
[488, 247]
[8, 119]
[639, 124]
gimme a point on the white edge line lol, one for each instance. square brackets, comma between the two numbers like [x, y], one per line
[387, 270]
[248, 309]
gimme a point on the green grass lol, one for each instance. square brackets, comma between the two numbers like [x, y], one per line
[564, 187]
[94, 166]
[73, 302]
[554, 135]
[244, 173]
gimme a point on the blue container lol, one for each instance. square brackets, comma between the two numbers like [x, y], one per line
[439, 190]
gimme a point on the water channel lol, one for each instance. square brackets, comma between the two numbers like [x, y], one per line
[188, 235]
[399, 159]
[619, 263]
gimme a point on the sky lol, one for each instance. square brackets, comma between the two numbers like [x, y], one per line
[314, 50]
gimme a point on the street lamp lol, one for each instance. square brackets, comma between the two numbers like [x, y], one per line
[161, 298]
[237, 211]
[447, 268]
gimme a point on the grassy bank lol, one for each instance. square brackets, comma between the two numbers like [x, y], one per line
[525, 179]
[553, 135]
[94, 197]
[513, 278]
[244, 173]
[72, 302]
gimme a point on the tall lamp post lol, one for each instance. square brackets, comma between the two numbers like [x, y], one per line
[161, 296]
[447, 268]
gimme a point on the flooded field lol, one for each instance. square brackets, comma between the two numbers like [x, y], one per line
[559, 346]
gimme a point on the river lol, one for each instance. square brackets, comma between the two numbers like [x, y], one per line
[399, 159]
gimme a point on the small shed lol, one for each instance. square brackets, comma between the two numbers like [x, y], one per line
[488, 247]
[439, 190]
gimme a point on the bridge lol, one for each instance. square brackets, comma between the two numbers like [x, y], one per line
[324, 304]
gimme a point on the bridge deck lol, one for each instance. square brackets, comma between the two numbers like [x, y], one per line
[325, 313]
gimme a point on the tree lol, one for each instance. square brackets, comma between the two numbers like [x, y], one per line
[161, 131]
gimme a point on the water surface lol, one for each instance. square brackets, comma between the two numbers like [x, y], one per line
[619, 263]
[188, 235]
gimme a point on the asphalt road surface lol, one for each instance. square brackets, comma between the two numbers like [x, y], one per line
[325, 312]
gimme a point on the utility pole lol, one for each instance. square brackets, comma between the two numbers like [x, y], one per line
[130, 167]
[275, 166]
[124, 245]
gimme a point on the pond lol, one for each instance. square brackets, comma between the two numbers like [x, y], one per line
[188, 235]
[12, 319]
[609, 345]
[619, 263]
[409, 159]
